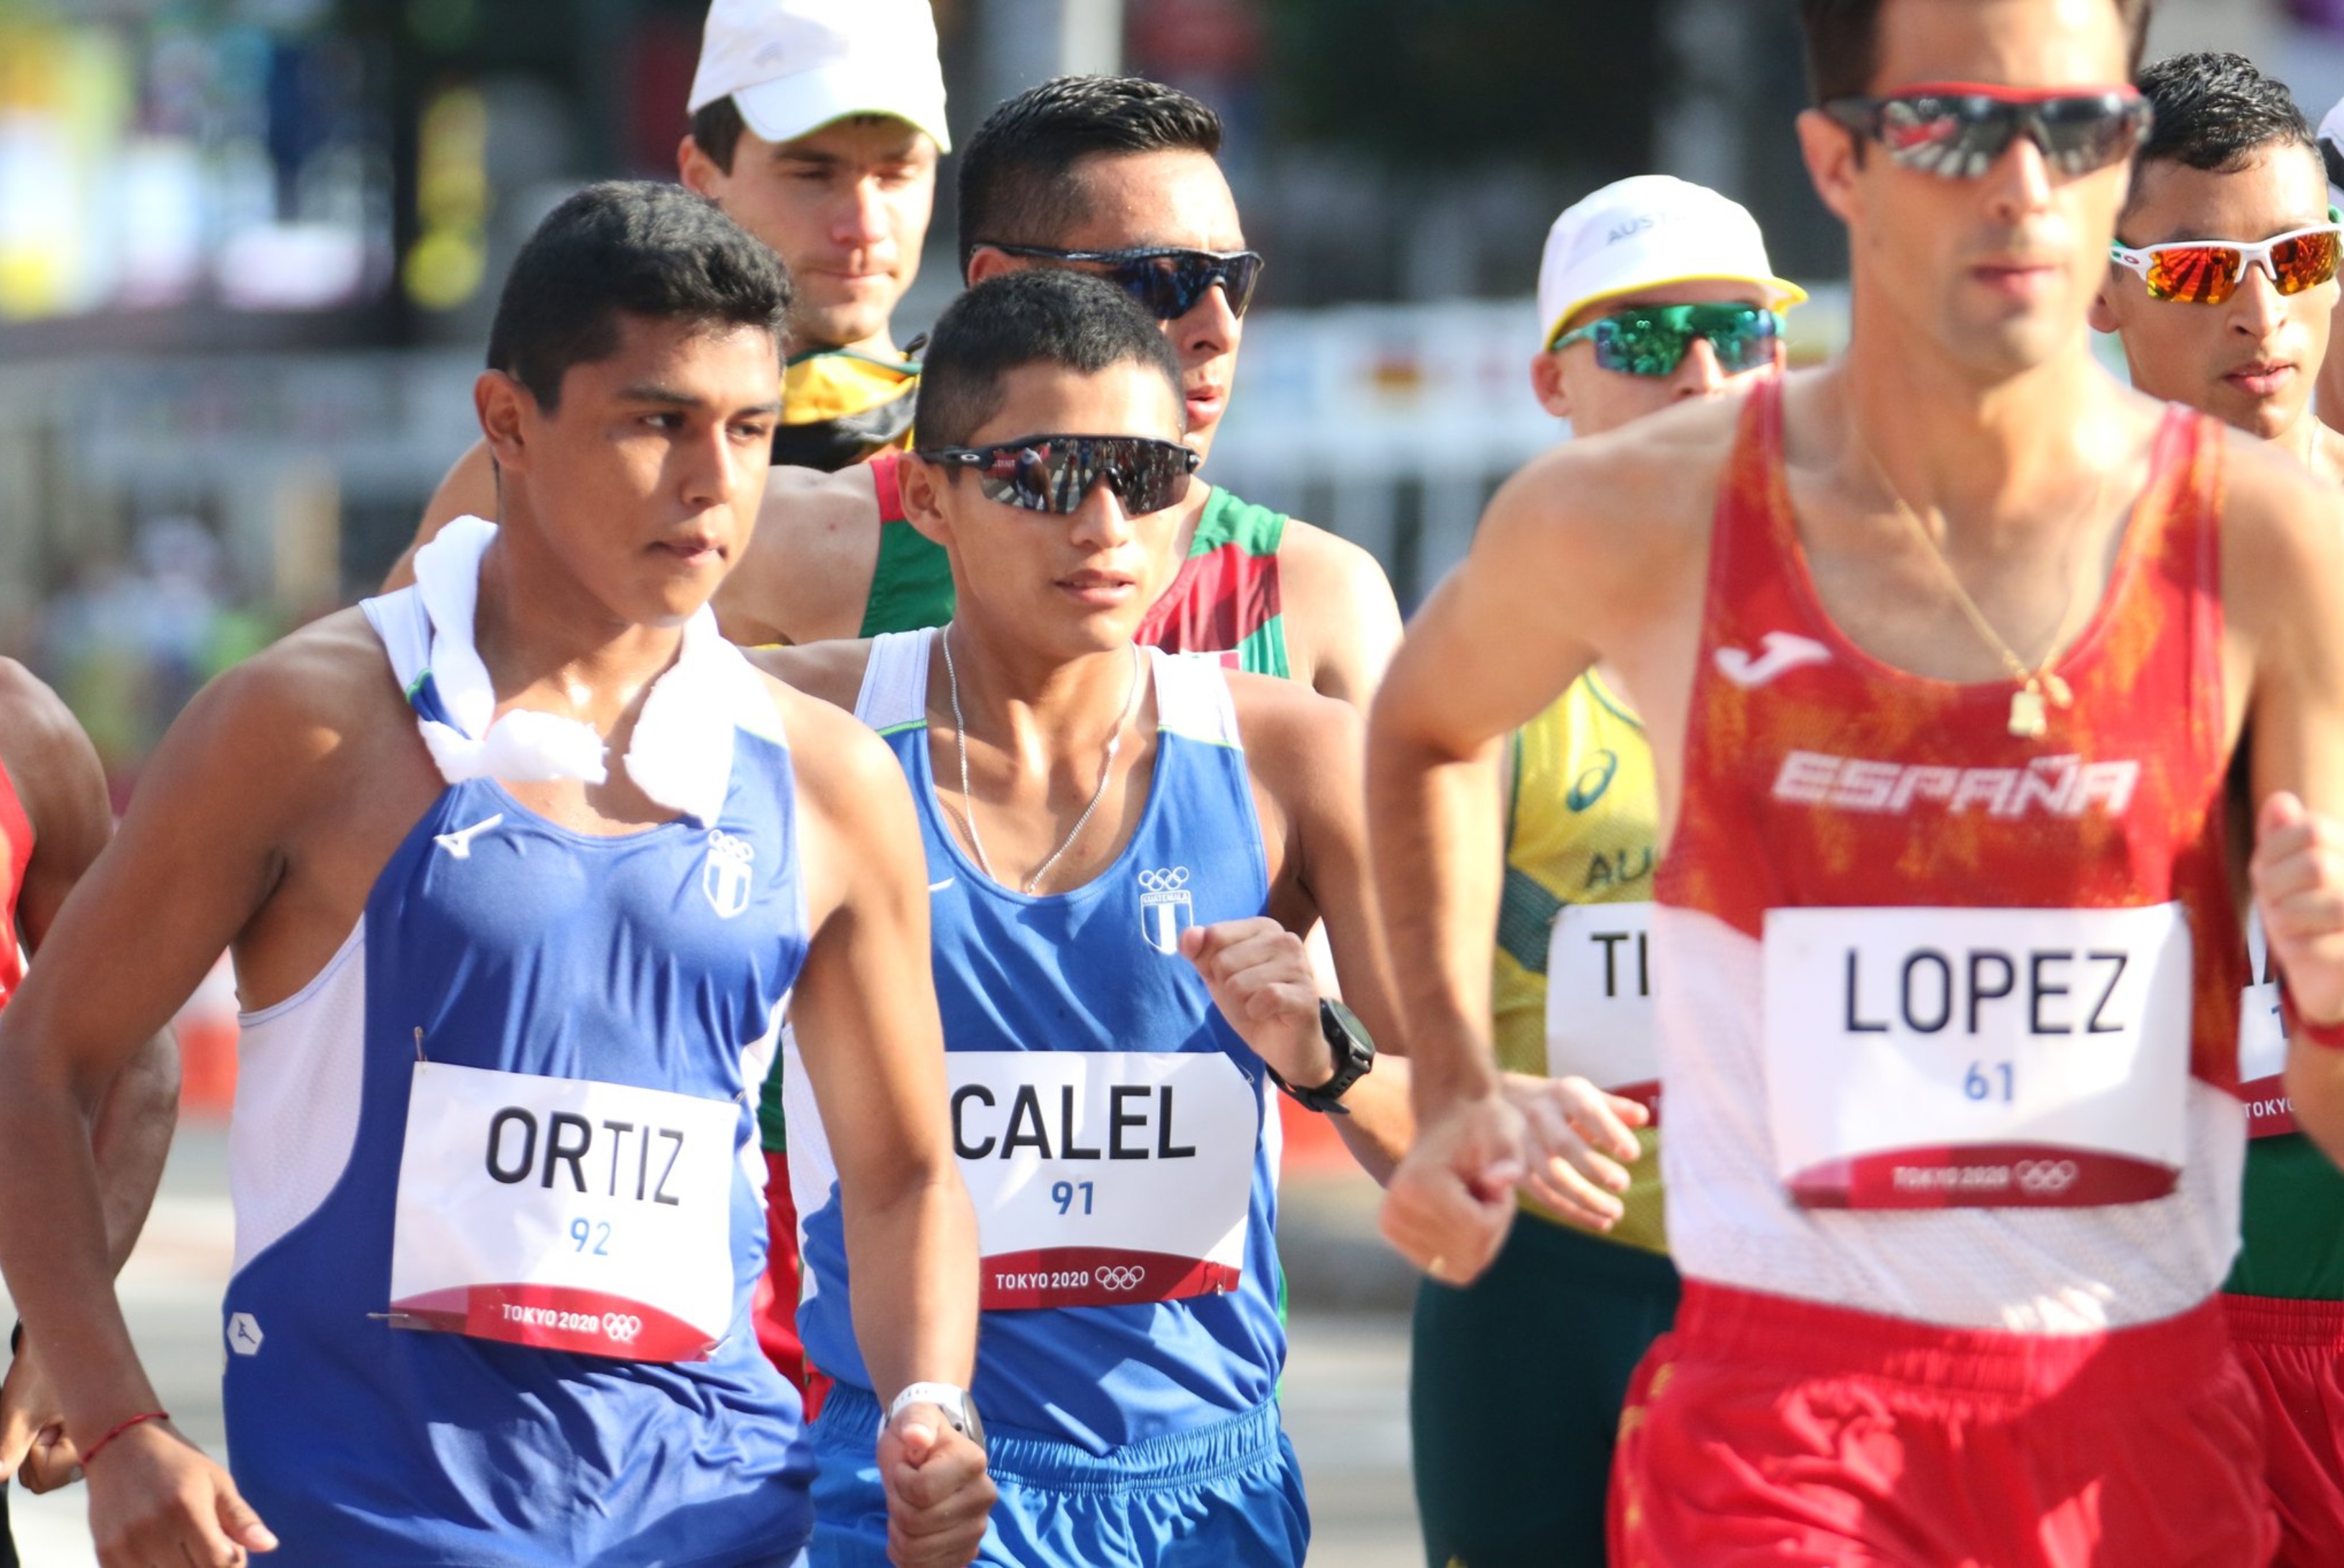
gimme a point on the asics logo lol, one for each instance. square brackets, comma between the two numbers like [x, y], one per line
[1164, 881]
[2045, 1178]
[1115, 1277]
[1780, 653]
[459, 844]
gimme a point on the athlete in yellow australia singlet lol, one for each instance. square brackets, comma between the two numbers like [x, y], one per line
[1653, 292]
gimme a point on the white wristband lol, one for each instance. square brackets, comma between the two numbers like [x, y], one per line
[946, 1397]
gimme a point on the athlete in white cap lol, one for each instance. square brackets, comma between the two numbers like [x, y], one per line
[1653, 292]
[816, 125]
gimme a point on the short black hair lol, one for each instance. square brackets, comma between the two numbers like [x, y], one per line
[1037, 316]
[1014, 184]
[634, 247]
[1843, 43]
[717, 129]
[2215, 111]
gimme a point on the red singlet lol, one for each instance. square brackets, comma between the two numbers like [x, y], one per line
[1914, 963]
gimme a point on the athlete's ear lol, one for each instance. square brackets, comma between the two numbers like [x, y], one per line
[1830, 150]
[506, 408]
[1546, 380]
[697, 170]
[919, 487]
[988, 261]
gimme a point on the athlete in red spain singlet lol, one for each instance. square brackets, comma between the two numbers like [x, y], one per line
[1944, 652]
[53, 819]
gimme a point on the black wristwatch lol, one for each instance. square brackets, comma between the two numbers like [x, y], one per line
[1355, 1058]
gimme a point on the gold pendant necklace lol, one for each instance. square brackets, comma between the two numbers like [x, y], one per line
[2040, 687]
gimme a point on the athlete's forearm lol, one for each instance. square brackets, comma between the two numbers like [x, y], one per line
[131, 1140]
[1381, 1122]
[1437, 844]
[912, 1253]
[54, 1249]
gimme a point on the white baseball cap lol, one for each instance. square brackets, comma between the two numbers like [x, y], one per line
[795, 65]
[1648, 232]
[2331, 152]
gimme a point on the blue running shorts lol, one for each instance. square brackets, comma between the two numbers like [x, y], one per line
[1226, 1493]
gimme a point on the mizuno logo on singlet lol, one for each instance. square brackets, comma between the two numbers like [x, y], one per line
[2055, 786]
[1781, 652]
[459, 844]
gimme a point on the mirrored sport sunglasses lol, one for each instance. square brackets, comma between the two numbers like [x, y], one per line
[2208, 271]
[1959, 130]
[1166, 281]
[1654, 342]
[1054, 473]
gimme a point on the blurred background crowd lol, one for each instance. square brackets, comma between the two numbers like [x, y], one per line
[249, 249]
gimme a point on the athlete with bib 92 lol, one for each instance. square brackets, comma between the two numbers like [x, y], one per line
[519, 867]
[1944, 652]
[1123, 845]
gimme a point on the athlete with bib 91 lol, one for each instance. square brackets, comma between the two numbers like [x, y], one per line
[1123, 846]
[519, 868]
[1944, 652]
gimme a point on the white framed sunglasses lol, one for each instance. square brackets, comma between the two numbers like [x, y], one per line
[2208, 271]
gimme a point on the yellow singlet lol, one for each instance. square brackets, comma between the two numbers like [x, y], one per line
[1580, 829]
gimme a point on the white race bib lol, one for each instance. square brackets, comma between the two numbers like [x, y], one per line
[565, 1214]
[1965, 1057]
[1599, 1000]
[1104, 1177]
[2262, 1042]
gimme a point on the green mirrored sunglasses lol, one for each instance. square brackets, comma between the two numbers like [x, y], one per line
[1653, 342]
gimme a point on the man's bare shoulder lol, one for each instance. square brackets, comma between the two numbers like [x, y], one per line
[32, 716]
[320, 684]
[2281, 524]
[830, 671]
[1323, 572]
[844, 768]
[806, 574]
[1294, 739]
[1629, 490]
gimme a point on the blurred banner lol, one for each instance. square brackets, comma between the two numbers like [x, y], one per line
[172, 158]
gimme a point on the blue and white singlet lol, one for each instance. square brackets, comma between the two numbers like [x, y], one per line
[1116, 1135]
[595, 1014]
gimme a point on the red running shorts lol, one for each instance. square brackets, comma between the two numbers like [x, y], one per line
[1769, 1431]
[2293, 1354]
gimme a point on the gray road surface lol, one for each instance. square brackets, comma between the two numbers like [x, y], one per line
[1346, 1386]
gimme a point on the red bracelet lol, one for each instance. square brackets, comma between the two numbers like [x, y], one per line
[2327, 1036]
[89, 1454]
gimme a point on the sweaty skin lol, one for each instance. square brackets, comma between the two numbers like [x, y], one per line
[278, 798]
[1970, 379]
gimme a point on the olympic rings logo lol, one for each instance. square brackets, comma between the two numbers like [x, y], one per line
[731, 846]
[2045, 1177]
[1164, 881]
[621, 1326]
[1115, 1277]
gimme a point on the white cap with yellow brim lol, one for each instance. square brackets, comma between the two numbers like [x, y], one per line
[1649, 232]
[795, 65]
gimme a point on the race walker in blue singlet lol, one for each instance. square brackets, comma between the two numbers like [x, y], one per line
[1124, 984]
[532, 1031]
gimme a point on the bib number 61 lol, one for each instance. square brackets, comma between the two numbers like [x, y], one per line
[1990, 1081]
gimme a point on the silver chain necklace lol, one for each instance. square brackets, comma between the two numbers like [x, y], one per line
[968, 801]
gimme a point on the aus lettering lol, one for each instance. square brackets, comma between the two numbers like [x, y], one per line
[641, 1165]
[1133, 1112]
[2041, 991]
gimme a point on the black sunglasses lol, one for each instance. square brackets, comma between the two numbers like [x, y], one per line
[1959, 130]
[1166, 281]
[1054, 473]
